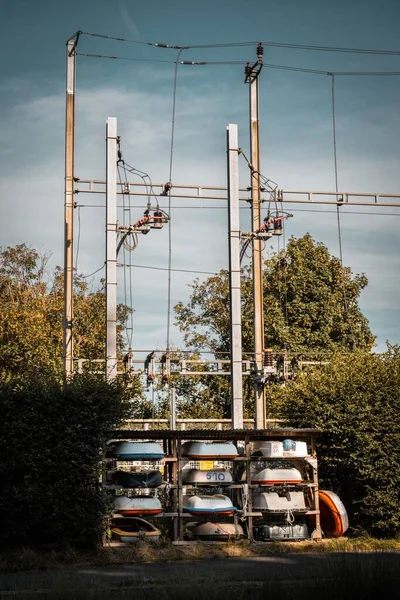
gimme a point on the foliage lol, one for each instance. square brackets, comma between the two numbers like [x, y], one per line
[355, 401]
[51, 436]
[310, 305]
[310, 308]
[31, 315]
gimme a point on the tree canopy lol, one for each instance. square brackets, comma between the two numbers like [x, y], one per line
[31, 314]
[310, 305]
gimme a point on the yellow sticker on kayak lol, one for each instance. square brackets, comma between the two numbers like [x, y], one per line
[206, 465]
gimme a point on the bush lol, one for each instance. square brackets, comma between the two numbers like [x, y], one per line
[355, 400]
[51, 438]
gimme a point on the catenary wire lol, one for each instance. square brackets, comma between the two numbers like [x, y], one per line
[243, 62]
[123, 247]
[171, 159]
[311, 210]
[172, 269]
[94, 272]
[339, 229]
[248, 43]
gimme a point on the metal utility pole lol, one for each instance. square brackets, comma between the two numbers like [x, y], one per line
[111, 248]
[172, 415]
[68, 340]
[234, 278]
[252, 73]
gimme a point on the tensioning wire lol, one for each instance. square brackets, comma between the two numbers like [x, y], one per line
[315, 48]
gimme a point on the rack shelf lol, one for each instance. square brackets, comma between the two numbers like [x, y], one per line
[171, 467]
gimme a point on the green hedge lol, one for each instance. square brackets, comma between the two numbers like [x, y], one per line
[51, 437]
[355, 401]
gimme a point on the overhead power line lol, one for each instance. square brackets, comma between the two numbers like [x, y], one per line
[193, 63]
[311, 47]
[312, 210]
[168, 269]
[124, 58]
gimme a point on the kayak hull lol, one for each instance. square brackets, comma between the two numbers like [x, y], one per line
[134, 451]
[210, 450]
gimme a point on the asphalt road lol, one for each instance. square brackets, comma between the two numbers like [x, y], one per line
[287, 567]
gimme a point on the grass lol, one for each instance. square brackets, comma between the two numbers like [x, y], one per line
[27, 559]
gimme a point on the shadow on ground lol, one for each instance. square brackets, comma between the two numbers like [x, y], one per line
[340, 576]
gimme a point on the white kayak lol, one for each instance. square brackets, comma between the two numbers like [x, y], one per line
[283, 532]
[209, 450]
[137, 505]
[277, 449]
[269, 449]
[134, 450]
[216, 531]
[211, 477]
[273, 502]
[217, 504]
[270, 476]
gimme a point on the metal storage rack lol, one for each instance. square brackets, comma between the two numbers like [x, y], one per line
[172, 444]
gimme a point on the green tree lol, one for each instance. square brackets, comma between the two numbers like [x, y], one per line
[355, 400]
[310, 305]
[310, 308]
[31, 314]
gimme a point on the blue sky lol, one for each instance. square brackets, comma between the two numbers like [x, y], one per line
[295, 121]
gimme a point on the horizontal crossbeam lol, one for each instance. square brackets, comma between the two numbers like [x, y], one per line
[187, 192]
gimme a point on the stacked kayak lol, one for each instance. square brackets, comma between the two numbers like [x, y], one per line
[209, 450]
[270, 476]
[269, 449]
[282, 503]
[134, 451]
[133, 530]
[282, 531]
[138, 505]
[211, 477]
[333, 515]
[277, 449]
[217, 504]
[137, 479]
[216, 532]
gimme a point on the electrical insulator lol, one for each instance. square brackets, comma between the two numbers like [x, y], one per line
[158, 224]
[278, 228]
[165, 379]
[260, 52]
[150, 380]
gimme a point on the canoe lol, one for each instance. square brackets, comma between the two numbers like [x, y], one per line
[276, 476]
[212, 477]
[217, 504]
[209, 450]
[134, 451]
[273, 502]
[138, 505]
[212, 532]
[133, 530]
[334, 519]
[137, 479]
[282, 532]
